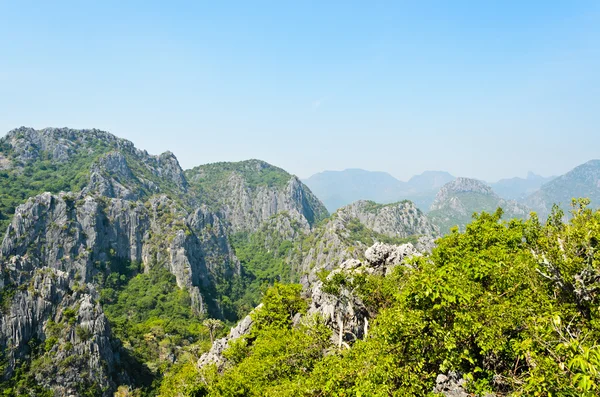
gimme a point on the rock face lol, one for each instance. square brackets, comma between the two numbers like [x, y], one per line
[344, 312]
[215, 354]
[248, 193]
[458, 200]
[135, 207]
[400, 219]
[450, 385]
[54, 245]
[352, 229]
[71, 328]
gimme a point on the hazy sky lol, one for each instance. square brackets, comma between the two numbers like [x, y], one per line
[486, 89]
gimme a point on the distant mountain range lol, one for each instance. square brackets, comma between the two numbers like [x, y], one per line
[519, 188]
[451, 201]
[581, 181]
[339, 188]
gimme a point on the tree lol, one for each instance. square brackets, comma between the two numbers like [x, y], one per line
[213, 326]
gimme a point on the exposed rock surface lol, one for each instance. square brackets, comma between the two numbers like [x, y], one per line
[215, 354]
[64, 237]
[250, 192]
[344, 310]
[450, 385]
[400, 219]
[352, 229]
[57, 312]
[453, 385]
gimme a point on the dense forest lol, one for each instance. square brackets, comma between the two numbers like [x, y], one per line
[510, 305]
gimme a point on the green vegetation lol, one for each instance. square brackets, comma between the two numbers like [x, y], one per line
[512, 306]
[261, 267]
[154, 319]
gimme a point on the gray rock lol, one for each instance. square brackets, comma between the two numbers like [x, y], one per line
[215, 354]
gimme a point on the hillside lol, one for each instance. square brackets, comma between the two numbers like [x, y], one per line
[453, 323]
[456, 202]
[582, 181]
[112, 259]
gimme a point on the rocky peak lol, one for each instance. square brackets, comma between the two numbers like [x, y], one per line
[461, 185]
[29, 144]
[249, 193]
[402, 219]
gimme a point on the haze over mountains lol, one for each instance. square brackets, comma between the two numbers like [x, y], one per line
[449, 201]
[339, 188]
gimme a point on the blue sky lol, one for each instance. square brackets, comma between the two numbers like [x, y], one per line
[485, 89]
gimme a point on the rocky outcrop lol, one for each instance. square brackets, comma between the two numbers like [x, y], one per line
[215, 354]
[251, 192]
[58, 244]
[453, 385]
[402, 219]
[352, 229]
[343, 311]
[68, 329]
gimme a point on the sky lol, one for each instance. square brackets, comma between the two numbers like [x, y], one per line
[487, 89]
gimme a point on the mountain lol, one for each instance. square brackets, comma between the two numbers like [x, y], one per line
[582, 181]
[111, 257]
[456, 202]
[352, 229]
[104, 246]
[519, 188]
[422, 189]
[339, 188]
[248, 193]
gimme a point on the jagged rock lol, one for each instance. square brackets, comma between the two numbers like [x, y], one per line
[215, 354]
[382, 258]
[345, 311]
[247, 201]
[335, 242]
[402, 219]
[84, 340]
[450, 385]
[53, 245]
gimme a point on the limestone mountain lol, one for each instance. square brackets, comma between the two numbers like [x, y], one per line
[111, 258]
[63, 159]
[582, 181]
[105, 246]
[456, 202]
[348, 232]
[248, 193]
[519, 188]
